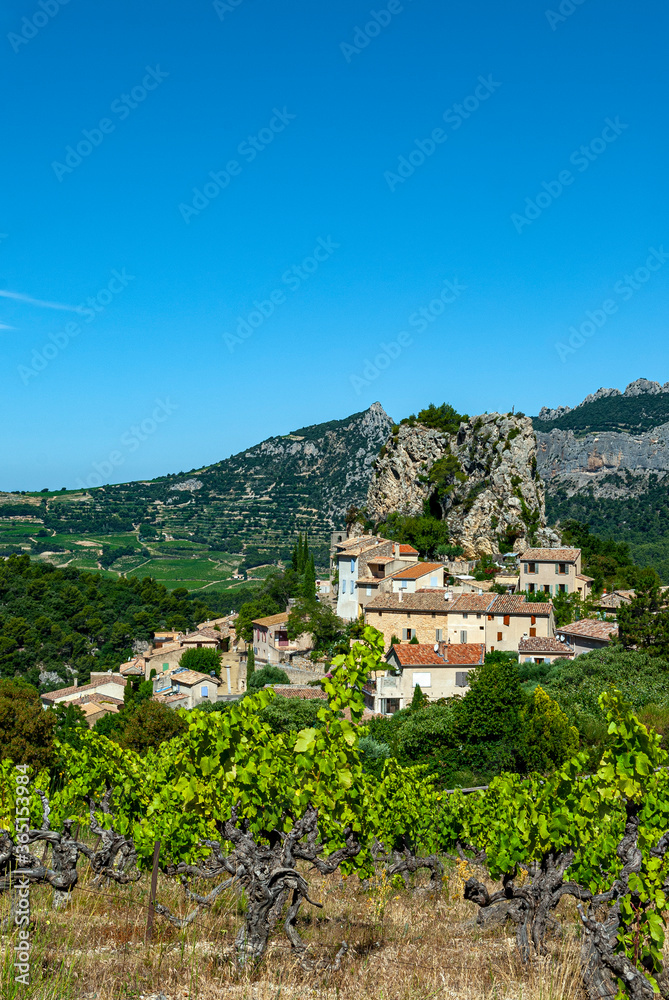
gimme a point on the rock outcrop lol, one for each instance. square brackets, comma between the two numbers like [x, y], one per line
[482, 481]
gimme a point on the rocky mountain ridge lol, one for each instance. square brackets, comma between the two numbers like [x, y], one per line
[640, 387]
[482, 480]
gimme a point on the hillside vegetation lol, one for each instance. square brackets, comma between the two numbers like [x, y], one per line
[612, 413]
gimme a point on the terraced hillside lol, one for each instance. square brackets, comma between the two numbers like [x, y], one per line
[195, 529]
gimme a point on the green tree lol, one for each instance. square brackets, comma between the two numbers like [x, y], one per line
[250, 662]
[268, 675]
[309, 580]
[546, 740]
[26, 729]
[202, 660]
[149, 725]
[420, 699]
[319, 621]
[488, 717]
[644, 623]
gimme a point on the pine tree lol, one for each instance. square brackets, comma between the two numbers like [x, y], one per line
[250, 663]
[309, 580]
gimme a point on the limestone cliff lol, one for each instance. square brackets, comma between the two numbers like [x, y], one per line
[482, 481]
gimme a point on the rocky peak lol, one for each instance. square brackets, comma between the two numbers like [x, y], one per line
[481, 480]
[640, 387]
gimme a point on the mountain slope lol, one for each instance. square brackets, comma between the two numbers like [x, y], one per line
[605, 462]
[258, 499]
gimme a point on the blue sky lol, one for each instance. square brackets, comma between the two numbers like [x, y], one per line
[338, 212]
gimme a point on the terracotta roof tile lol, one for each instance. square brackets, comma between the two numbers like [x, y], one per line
[463, 653]
[411, 655]
[85, 688]
[271, 620]
[545, 645]
[590, 629]
[418, 570]
[420, 601]
[449, 654]
[515, 604]
[190, 677]
[408, 550]
[473, 602]
[550, 555]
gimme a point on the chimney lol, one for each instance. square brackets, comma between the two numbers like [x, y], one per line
[76, 682]
[400, 595]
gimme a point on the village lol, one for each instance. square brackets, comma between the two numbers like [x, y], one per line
[437, 620]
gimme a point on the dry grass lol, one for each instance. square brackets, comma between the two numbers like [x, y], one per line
[403, 945]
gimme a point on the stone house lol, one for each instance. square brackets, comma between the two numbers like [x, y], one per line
[608, 604]
[543, 650]
[106, 684]
[168, 656]
[498, 622]
[363, 565]
[418, 577]
[423, 615]
[192, 687]
[588, 634]
[441, 670]
[554, 571]
[271, 643]
[104, 694]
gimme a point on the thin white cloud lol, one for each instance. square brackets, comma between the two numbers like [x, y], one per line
[18, 297]
[3, 326]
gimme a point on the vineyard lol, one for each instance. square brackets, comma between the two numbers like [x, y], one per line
[275, 858]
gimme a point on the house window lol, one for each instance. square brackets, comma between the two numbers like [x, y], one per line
[437, 635]
[478, 616]
[530, 587]
[465, 615]
[343, 586]
[547, 588]
[563, 588]
[404, 584]
[507, 620]
[424, 679]
[499, 637]
[434, 582]
[562, 568]
[538, 659]
[408, 633]
[461, 678]
[533, 633]
[463, 636]
[204, 691]
[368, 591]
[352, 565]
[532, 567]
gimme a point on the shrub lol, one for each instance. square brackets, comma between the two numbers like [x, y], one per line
[268, 675]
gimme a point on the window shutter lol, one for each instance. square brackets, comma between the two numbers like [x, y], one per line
[507, 620]
[461, 678]
[499, 637]
[557, 567]
[533, 633]
[533, 620]
[438, 635]
[527, 567]
[463, 637]
[405, 633]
